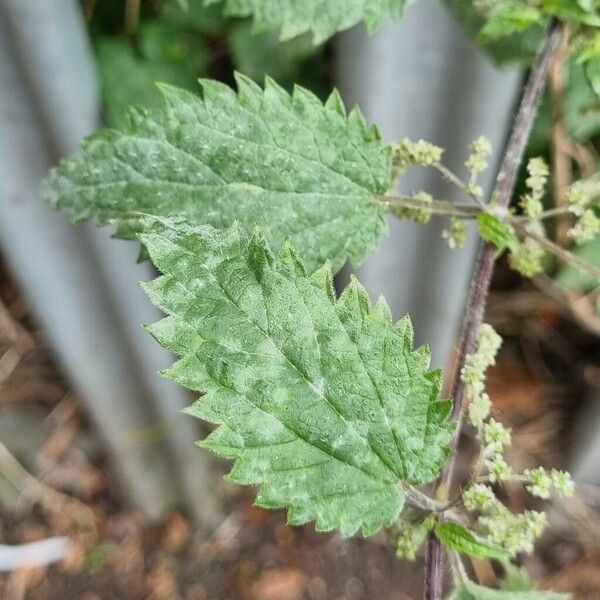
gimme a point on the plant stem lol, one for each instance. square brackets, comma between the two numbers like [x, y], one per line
[551, 213]
[435, 207]
[457, 181]
[505, 183]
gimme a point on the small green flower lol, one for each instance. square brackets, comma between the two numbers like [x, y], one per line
[527, 256]
[498, 469]
[538, 175]
[540, 482]
[479, 409]
[488, 344]
[474, 189]
[586, 228]
[532, 206]
[536, 522]
[514, 532]
[421, 153]
[495, 435]
[478, 497]
[456, 235]
[583, 194]
[480, 149]
[563, 483]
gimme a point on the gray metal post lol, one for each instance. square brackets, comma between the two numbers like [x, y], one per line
[57, 104]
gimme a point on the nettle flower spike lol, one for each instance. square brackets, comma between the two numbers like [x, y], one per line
[514, 532]
[527, 257]
[420, 153]
[542, 483]
[538, 175]
[563, 483]
[531, 203]
[473, 373]
[481, 148]
[479, 410]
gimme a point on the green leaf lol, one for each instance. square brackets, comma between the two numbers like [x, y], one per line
[322, 403]
[290, 164]
[508, 18]
[460, 539]
[323, 19]
[585, 13]
[472, 591]
[495, 231]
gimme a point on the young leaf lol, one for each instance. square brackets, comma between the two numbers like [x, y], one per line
[460, 539]
[322, 18]
[472, 591]
[322, 403]
[290, 164]
[510, 17]
[491, 229]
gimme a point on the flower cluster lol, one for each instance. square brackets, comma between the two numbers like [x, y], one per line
[455, 235]
[514, 532]
[527, 256]
[421, 154]
[477, 162]
[583, 197]
[531, 202]
[478, 497]
[586, 228]
[542, 483]
[411, 537]
[473, 373]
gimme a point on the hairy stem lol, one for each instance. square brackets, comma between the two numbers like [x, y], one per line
[435, 207]
[457, 181]
[482, 277]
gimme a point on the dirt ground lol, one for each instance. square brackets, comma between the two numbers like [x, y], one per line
[59, 477]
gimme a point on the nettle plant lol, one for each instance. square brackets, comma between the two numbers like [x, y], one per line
[248, 203]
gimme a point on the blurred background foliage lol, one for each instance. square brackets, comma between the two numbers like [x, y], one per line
[176, 43]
